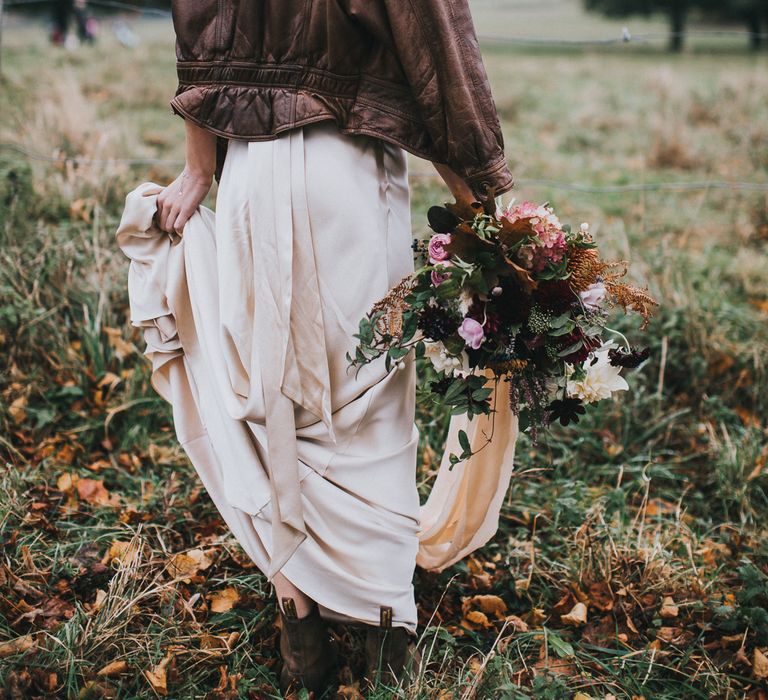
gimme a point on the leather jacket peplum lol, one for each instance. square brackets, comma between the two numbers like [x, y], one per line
[406, 71]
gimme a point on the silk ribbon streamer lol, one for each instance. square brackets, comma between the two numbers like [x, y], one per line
[288, 297]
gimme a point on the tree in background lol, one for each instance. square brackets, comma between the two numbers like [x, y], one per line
[676, 11]
[754, 13]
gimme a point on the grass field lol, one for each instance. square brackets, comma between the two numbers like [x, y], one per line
[651, 518]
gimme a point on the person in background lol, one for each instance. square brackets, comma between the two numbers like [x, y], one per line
[63, 12]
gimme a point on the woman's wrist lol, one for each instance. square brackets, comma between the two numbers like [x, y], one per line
[201, 153]
[202, 175]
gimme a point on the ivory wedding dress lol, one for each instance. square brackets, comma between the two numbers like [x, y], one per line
[248, 318]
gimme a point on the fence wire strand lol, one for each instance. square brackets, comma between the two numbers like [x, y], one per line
[680, 186]
[625, 36]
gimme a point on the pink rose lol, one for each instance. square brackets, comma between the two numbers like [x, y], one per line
[438, 277]
[436, 247]
[472, 332]
[592, 297]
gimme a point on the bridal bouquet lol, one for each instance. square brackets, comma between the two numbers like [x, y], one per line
[511, 296]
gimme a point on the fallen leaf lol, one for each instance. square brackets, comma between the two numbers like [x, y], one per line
[216, 642]
[561, 667]
[489, 604]
[93, 491]
[674, 635]
[16, 409]
[17, 646]
[227, 687]
[516, 623]
[186, 565]
[760, 665]
[223, 600]
[577, 616]
[127, 553]
[480, 611]
[101, 596]
[122, 348]
[601, 596]
[114, 668]
[740, 657]
[565, 604]
[82, 209]
[66, 455]
[348, 692]
[759, 463]
[158, 676]
[479, 574]
[476, 619]
[536, 617]
[66, 482]
[668, 608]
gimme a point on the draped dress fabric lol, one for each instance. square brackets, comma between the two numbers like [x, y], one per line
[248, 318]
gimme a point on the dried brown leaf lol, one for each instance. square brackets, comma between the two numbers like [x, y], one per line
[577, 616]
[223, 600]
[17, 646]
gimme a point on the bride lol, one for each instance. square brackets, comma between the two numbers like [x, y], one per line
[303, 112]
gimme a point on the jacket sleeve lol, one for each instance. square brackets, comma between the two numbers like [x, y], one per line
[436, 44]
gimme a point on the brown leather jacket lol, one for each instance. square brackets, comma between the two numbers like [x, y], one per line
[406, 71]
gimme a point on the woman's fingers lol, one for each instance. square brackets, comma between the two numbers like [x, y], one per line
[170, 219]
[162, 210]
[184, 215]
[175, 205]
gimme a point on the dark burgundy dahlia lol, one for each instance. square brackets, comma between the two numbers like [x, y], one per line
[567, 410]
[513, 305]
[588, 345]
[436, 323]
[554, 295]
[619, 357]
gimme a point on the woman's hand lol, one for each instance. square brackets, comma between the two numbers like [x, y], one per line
[177, 202]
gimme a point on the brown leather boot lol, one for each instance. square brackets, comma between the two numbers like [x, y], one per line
[389, 652]
[308, 650]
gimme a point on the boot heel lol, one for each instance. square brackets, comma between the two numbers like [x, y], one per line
[387, 651]
[309, 654]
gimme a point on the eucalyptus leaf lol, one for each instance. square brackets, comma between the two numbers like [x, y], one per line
[571, 349]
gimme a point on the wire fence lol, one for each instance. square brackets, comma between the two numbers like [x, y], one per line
[585, 188]
[63, 158]
[624, 37]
